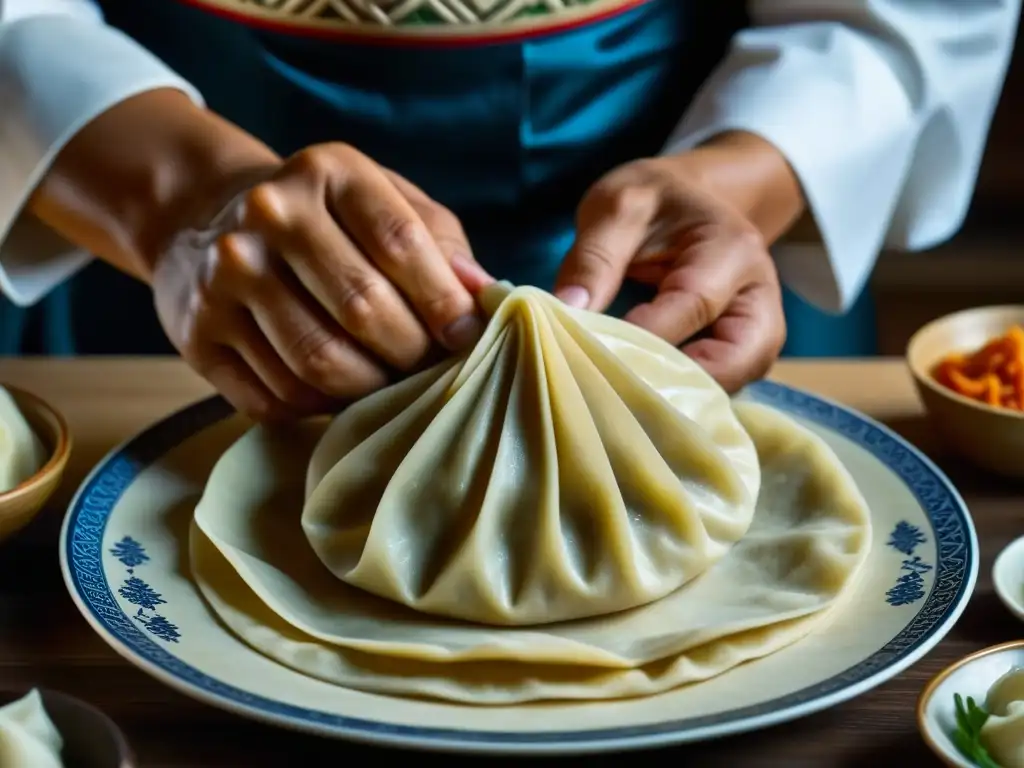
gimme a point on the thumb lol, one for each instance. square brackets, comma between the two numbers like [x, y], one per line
[608, 237]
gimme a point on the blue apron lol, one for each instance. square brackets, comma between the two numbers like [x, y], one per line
[508, 135]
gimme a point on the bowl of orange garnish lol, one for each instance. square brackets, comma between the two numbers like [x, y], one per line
[969, 371]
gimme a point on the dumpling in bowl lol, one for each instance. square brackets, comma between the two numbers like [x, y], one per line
[28, 737]
[21, 452]
[572, 465]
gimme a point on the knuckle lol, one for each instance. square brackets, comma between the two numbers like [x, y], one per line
[400, 238]
[632, 201]
[705, 308]
[359, 304]
[339, 151]
[237, 254]
[231, 266]
[439, 219]
[311, 160]
[322, 159]
[747, 239]
[596, 256]
[322, 362]
[442, 309]
[624, 200]
[265, 206]
[316, 357]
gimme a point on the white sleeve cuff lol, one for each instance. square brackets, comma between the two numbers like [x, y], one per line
[57, 73]
[883, 117]
[807, 99]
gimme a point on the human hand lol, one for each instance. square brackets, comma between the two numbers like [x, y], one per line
[309, 286]
[672, 222]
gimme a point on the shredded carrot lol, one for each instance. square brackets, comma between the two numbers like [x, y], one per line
[993, 374]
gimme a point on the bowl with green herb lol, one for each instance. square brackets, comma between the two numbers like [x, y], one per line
[972, 713]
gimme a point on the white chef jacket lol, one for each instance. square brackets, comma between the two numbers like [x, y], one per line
[881, 107]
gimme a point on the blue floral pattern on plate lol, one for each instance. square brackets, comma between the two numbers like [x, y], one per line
[909, 587]
[132, 554]
[955, 571]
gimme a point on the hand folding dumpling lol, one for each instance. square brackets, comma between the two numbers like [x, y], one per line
[572, 465]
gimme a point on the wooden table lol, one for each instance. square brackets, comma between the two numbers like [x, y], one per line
[44, 640]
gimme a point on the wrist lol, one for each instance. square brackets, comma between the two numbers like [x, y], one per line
[751, 175]
[143, 170]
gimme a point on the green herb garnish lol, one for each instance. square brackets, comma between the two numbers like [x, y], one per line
[967, 737]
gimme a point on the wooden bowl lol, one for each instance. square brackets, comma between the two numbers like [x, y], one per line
[20, 504]
[990, 437]
[91, 739]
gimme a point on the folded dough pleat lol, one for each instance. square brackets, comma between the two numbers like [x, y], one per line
[653, 453]
[537, 480]
[468, 511]
[416, 519]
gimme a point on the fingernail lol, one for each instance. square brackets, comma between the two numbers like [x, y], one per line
[463, 332]
[575, 296]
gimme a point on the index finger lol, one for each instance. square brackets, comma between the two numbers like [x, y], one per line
[691, 297]
[395, 237]
[745, 341]
[612, 228]
[447, 232]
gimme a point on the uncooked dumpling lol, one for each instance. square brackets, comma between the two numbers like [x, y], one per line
[571, 465]
[21, 452]
[28, 738]
[1002, 735]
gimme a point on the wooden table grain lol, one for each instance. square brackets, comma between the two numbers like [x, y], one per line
[45, 641]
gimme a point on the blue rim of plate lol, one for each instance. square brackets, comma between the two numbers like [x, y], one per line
[956, 570]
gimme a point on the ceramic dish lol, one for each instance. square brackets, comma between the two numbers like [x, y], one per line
[20, 504]
[91, 739]
[971, 676]
[1008, 577]
[992, 438]
[124, 553]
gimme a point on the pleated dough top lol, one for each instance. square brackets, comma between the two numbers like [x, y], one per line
[571, 465]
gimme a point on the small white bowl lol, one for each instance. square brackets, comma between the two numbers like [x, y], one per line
[971, 676]
[1008, 577]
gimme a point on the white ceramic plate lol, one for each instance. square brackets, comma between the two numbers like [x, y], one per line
[124, 553]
